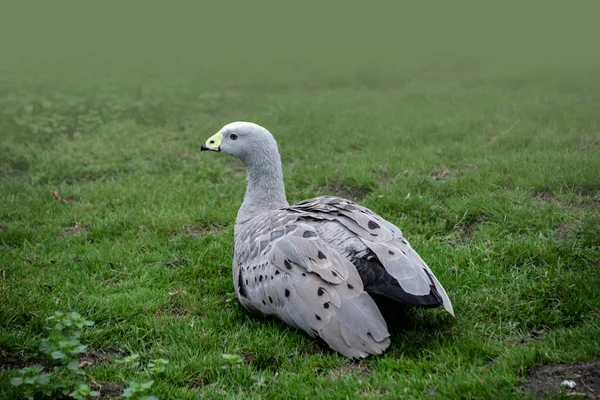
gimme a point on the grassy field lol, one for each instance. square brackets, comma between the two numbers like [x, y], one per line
[482, 145]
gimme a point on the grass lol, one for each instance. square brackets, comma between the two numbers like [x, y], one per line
[486, 154]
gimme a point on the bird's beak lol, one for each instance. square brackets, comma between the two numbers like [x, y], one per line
[213, 143]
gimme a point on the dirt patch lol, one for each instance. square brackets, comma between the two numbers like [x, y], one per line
[17, 167]
[75, 229]
[441, 174]
[108, 390]
[175, 261]
[591, 189]
[375, 392]
[545, 196]
[198, 382]
[354, 368]
[178, 292]
[467, 229]
[97, 357]
[590, 144]
[16, 361]
[248, 358]
[387, 177]
[546, 380]
[563, 232]
[446, 173]
[70, 199]
[171, 312]
[462, 231]
[587, 205]
[200, 231]
[3, 228]
[524, 340]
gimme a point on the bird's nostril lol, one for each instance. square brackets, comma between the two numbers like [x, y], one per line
[211, 142]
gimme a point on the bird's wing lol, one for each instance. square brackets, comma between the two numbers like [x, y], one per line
[283, 268]
[385, 260]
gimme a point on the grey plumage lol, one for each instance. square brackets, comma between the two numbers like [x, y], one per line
[314, 264]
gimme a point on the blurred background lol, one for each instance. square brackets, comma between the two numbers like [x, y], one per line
[281, 46]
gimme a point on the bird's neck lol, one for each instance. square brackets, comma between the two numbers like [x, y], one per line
[265, 191]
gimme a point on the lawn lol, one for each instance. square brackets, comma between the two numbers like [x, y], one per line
[483, 146]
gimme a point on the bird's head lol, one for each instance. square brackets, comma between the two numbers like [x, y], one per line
[244, 140]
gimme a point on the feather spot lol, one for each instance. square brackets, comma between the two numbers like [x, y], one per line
[321, 255]
[350, 287]
[303, 274]
[318, 318]
[404, 241]
[264, 303]
[242, 288]
[308, 234]
[373, 225]
[287, 293]
[277, 272]
[320, 291]
[271, 277]
[334, 273]
[270, 300]
[326, 305]
[287, 264]
[260, 278]
[391, 252]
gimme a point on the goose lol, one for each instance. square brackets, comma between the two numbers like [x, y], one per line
[320, 264]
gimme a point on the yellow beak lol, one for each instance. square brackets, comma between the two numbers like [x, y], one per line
[213, 143]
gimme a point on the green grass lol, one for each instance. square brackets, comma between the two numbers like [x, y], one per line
[485, 151]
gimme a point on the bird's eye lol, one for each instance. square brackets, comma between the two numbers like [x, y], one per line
[233, 136]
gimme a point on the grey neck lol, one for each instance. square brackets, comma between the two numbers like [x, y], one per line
[265, 190]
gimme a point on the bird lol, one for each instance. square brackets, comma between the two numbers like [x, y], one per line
[318, 265]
